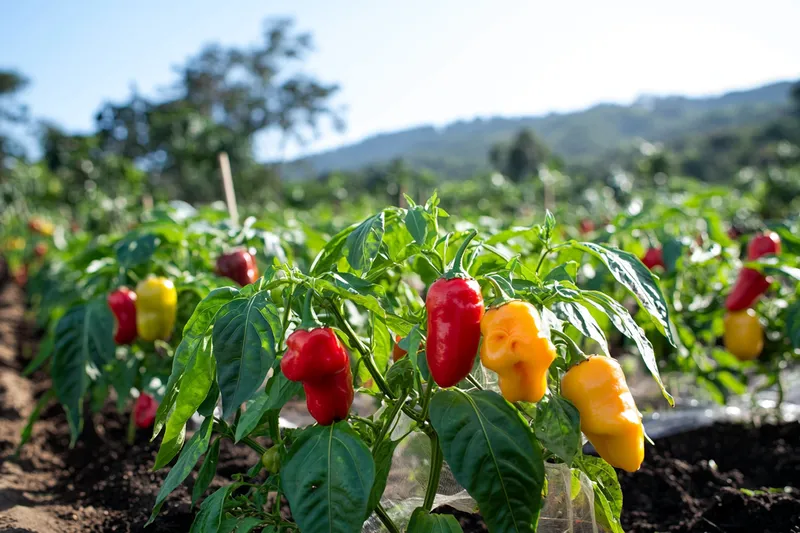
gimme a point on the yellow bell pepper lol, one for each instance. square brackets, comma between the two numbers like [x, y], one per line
[744, 336]
[515, 347]
[156, 306]
[609, 417]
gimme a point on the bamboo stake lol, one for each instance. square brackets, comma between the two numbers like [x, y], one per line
[227, 183]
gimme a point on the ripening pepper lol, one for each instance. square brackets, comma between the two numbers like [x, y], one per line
[654, 257]
[455, 309]
[123, 305]
[587, 226]
[239, 265]
[609, 417]
[515, 347]
[319, 360]
[751, 284]
[397, 352]
[271, 459]
[144, 411]
[42, 227]
[156, 306]
[744, 336]
[40, 250]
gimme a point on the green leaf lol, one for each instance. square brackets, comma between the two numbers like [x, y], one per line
[364, 242]
[27, 431]
[581, 319]
[637, 278]
[793, 324]
[192, 390]
[549, 225]
[422, 522]
[493, 455]
[566, 272]
[672, 250]
[209, 519]
[210, 403]
[45, 351]
[332, 252]
[327, 479]
[400, 375]
[207, 472]
[558, 427]
[417, 224]
[244, 337]
[196, 447]
[136, 250]
[279, 391]
[383, 464]
[83, 336]
[194, 334]
[626, 325]
[607, 492]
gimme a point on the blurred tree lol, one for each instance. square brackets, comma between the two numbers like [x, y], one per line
[224, 98]
[11, 82]
[522, 158]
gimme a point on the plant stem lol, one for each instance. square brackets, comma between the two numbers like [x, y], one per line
[474, 382]
[435, 473]
[541, 259]
[256, 447]
[426, 401]
[366, 356]
[390, 421]
[384, 517]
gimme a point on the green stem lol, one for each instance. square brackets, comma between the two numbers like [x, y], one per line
[366, 356]
[396, 408]
[541, 259]
[286, 314]
[576, 351]
[384, 517]
[474, 382]
[426, 401]
[435, 473]
[309, 320]
[457, 270]
[253, 445]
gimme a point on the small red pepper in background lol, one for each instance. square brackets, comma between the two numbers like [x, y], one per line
[455, 309]
[40, 250]
[587, 226]
[239, 265]
[319, 360]
[144, 411]
[21, 275]
[397, 352]
[751, 284]
[654, 257]
[123, 304]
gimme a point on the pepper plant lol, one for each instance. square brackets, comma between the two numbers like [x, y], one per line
[328, 331]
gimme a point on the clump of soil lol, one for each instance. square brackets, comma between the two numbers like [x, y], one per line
[692, 482]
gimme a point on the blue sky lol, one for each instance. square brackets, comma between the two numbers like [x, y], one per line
[404, 64]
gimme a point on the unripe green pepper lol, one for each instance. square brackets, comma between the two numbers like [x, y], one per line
[272, 460]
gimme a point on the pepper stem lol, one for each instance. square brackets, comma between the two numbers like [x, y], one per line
[457, 269]
[310, 320]
[576, 354]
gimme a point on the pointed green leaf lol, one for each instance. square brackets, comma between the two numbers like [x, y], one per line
[364, 242]
[422, 522]
[558, 427]
[206, 473]
[327, 479]
[244, 337]
[492, 453]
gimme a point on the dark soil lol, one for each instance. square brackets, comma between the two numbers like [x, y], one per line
[688, 483]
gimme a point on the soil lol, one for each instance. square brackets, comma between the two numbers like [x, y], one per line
[689, 482]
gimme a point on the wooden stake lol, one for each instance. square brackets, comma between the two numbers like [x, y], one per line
[227, 183]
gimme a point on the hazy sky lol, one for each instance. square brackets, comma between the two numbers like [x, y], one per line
[405, 63]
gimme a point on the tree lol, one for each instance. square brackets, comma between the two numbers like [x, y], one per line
[11, 83]
[522, 158]
[223, 99]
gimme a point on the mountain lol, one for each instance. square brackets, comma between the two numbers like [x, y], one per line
[460, 149]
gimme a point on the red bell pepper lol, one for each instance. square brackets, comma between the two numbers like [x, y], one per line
[123, 304]
[654, 257]
[239, 265]
[319, 360]
[144, 411]
[455, 308]
[751, 284]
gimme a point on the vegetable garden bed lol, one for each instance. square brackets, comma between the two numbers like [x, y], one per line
[711, 479]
